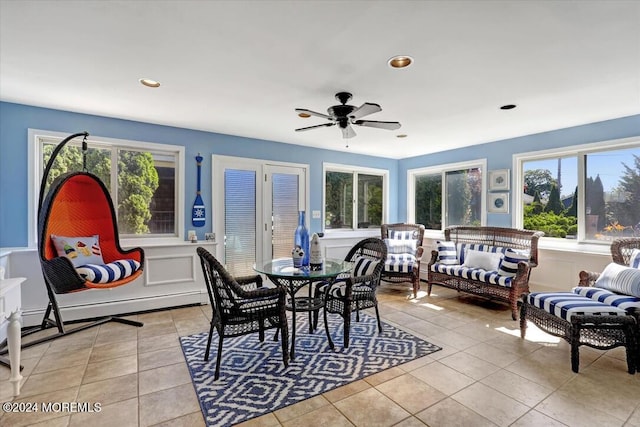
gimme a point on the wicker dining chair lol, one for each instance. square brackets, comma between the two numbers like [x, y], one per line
[242, 306]
[357, 290]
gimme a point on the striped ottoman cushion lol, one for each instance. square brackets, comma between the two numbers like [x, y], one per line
[625, 302]
[567, 304]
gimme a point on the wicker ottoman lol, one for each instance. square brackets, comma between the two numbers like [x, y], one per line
[580, 321]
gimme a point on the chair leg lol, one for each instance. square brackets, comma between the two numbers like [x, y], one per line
[285, 340]
[206, 353]
[218, 359]
[347, 327]
[326, 328]
[378, 317]
[523, 320]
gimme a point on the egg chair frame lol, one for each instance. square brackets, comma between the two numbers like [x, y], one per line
[77, 204]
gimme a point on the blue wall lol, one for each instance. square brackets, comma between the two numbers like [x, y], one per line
[499, 153]
[16, 119]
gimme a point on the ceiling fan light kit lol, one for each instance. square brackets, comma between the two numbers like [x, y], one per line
[345, 115]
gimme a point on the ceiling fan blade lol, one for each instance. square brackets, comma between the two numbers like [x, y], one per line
[379, 125]
[313, 113]
[315, 127]
[364, 110]
[347, 131]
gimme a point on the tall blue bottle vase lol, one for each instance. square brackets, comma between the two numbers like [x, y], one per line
[300, 251]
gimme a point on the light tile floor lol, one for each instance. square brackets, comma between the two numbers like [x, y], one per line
[484, 376]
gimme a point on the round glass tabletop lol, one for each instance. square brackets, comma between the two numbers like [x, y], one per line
[283, 267]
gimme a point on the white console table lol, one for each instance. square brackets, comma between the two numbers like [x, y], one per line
[10, 303]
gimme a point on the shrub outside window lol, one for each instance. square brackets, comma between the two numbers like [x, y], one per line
[346, 209]
[142, 179]
[591, 194]
[447, 195]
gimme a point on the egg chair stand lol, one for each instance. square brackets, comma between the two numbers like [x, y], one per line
[77, 204]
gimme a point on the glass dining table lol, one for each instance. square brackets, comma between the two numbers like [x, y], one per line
[282, 273]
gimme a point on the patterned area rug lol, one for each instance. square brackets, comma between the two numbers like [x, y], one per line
[253, 380]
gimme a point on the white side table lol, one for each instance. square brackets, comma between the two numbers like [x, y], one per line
[10, 302]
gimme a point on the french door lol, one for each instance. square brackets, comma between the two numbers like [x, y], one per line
[256, 209]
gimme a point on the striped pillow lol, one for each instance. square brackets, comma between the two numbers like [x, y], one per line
[620, 279]
[634, 261]
[106, 273]
[447, 253]
[403, 235]
[363, 266]
[509, 265]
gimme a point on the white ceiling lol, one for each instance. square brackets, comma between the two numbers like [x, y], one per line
[242, 67]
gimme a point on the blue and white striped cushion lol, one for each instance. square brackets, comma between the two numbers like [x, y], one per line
[403, 235]
[509, 264]
[634, 261]
[625, 302]
[106, 273]
[363, 266]
[478, 274]
[401, 246]
[621, 279]
[400, 263]
[567, 304]
[447, 253]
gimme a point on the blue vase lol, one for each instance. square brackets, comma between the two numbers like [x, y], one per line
[301, 243]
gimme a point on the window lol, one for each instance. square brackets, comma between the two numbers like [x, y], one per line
[589, 193]
[447, 195]
[142, 178]
[354, 198]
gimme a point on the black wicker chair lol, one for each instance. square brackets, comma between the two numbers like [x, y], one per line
[242, 306]
[355, 292]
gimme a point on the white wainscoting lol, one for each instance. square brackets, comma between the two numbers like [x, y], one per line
[172, 277]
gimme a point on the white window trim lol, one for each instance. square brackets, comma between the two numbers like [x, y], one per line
[579, 151]
[442, 169]
[36, 167]
[337, 167]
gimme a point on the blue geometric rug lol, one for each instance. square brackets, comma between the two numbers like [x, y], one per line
[253, 380]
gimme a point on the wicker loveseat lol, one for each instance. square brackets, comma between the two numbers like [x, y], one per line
[515, 253]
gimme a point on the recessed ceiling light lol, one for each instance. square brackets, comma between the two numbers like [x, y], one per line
[149, 83]
[401, 135]
[400, 61]
[304, 115]
[508, 107]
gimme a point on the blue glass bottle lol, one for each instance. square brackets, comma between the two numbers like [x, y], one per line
[301, 240]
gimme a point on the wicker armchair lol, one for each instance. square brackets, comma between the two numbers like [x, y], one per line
[413, 275]
[242, 306]
[357, 290]
[621, 250]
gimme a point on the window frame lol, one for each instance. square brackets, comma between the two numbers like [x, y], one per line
[580, 151]
[37, 137]
[442, 170]
[355, 171]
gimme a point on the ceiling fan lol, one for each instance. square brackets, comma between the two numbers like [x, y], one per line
[346, 115]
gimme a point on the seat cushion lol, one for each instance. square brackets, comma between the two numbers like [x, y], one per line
[400, 263]
[478, 274]
[625, 302]
[106, 273]
[567, 304]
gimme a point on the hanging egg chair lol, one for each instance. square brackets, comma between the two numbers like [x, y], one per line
[78, 243]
